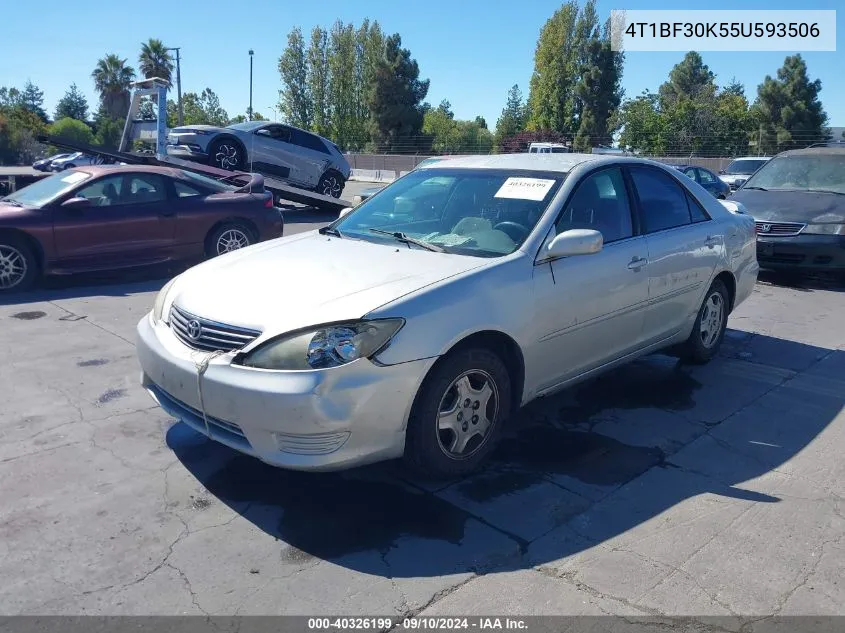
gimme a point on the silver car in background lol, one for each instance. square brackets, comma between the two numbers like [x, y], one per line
[417, 323]
[740, 169]
[279, 151]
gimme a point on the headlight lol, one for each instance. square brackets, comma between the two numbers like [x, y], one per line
[825, 229]
[328, 346]
[161, 299]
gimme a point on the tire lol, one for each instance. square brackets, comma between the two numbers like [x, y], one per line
[18, 265]
[231, 233]
[431, 446]
[331, 184]
[703, 344]
[227, 153]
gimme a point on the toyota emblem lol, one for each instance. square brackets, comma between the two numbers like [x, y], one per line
[194, 330]
[765, 228]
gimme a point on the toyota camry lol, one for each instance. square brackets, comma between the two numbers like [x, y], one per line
[418, 322]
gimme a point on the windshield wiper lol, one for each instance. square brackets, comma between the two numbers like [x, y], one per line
[399, 236]
[327, 230]
[12, 202]
[758, 188]
[838, 193]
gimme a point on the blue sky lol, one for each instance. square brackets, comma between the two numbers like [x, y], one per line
[473, 51]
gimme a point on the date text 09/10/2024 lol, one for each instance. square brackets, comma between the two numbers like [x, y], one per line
[415, 623]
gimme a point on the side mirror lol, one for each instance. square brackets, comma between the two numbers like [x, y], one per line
[76, 203]
[574, 242]
[722, 172]
[344, 212]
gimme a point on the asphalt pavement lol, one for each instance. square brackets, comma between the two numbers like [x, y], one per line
[657, 489]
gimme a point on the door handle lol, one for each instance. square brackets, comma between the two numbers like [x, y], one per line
[637, 263]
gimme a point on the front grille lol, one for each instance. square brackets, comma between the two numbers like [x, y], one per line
[779, 229]
[208, 336]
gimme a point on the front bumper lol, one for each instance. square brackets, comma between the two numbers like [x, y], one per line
[802, 252]
[303, 420]
[185, 151]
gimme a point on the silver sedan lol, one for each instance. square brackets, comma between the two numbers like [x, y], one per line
[416, 324]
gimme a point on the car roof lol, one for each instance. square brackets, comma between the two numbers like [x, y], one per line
[99, 170]
[532, 162]
[828, 150]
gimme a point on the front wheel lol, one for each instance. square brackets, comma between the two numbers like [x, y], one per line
[458, 414]
[18, 266]
[331, 184]
[710, 325]
[226, 154]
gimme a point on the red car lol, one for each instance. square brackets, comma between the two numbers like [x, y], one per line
[104, 218]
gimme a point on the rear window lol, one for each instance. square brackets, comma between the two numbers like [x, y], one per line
[208, 183]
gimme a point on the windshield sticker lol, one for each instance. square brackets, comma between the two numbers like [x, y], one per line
[74, 177]
[525, 188]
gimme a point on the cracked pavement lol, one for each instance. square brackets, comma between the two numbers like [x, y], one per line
[655, 490]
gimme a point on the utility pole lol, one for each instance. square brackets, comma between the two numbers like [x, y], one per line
[250, 84]
[178, 84]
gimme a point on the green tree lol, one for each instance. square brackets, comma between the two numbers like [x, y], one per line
[788, 111]
[642, 125]
[318, 81]
[112, 78]
[512, 119]
[9, 97]
[155, 60]
[73, 104]
[72, 130]
[551, 96]
[690, 78]
[598, 91]
[341, 95]
[481, 122]
[369, 47]
[32, 99]
[395, 98]
[733, 119]
[295, 96]
[19, 130]
[198, 109]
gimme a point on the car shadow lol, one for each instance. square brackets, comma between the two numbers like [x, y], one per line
[643, 433]
[807, 282]
[118, 283]
[294, 214]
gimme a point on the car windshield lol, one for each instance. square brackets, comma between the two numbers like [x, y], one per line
[744, 166]
[211, 183]
[807, 172]
[43, 191]
[476, 212]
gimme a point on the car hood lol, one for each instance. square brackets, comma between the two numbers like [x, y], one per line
[309, 279]
[792, 206]
[187, 128]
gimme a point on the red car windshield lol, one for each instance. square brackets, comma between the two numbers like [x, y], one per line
[43, 191]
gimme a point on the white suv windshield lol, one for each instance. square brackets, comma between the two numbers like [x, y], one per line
[479, 212]
[744, 166]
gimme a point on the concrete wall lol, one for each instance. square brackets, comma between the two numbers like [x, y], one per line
[388, 167]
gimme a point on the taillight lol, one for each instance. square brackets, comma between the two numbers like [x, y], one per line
[268, 204]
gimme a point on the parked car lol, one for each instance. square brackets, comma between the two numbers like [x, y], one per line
[278, 151]
[798, 202]
[740, 169]
[371, 191]
[103, 218]
[549, 148]
[43, 164]
[707, 179]
[417, 322]
[76, 159]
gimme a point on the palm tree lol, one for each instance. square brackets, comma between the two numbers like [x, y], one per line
[155, 60]
[112, 78]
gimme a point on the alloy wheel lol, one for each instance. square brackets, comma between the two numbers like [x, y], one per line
[231, 240]
[467, 413]
[226, 156]
[711, 319]
[13, 267]
[331, 187]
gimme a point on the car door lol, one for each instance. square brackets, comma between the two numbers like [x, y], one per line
[590, 308]
[128, 222]
[272, 152]
[312, 157]
[684, 246]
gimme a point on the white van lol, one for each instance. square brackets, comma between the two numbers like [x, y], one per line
[548, 148]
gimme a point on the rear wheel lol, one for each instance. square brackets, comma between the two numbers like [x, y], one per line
[226, 153]
[229, 237]
[331, 184]
[710, 325]
[458, 415]
[18, 266]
